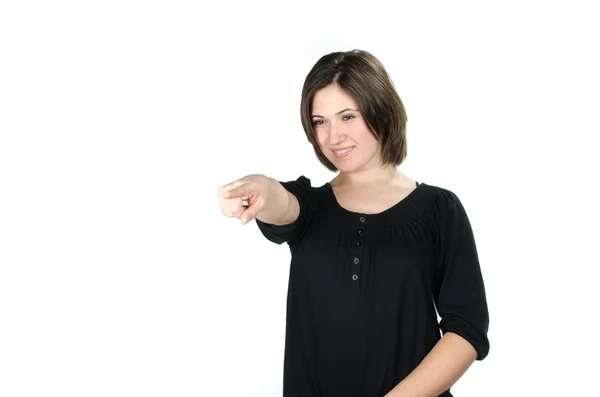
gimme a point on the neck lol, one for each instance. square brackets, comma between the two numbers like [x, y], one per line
[379, 175]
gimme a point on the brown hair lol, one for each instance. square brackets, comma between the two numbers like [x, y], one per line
[362, 76]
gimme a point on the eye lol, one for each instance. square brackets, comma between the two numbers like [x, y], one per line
[348, 117]
[317, 122]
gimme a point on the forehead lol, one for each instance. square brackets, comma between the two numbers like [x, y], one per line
[331, 100]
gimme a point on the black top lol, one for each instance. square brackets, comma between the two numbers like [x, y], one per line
[364, 288]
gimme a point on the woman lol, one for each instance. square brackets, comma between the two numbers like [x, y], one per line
[374, 252]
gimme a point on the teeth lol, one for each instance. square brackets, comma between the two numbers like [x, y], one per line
[343, 151]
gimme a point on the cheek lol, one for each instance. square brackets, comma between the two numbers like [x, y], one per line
[321, 137]
[359, 130]
[362, 134]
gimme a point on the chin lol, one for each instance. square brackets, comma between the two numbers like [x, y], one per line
[345, 167]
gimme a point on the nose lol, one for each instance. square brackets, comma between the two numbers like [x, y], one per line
[336, 134]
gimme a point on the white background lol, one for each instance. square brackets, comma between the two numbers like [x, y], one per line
[120, 120]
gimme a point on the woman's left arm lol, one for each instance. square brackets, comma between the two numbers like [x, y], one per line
[440, 369]
[460, 299]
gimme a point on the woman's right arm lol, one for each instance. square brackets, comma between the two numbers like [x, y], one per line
[283, 209]
[268, 200]
[281, 206]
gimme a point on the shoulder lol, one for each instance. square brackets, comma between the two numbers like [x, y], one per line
[305, 189]
[441, 202]
[447, 210]
[302, 183]
[439, 194]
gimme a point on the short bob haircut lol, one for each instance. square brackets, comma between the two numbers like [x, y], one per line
[361, 76]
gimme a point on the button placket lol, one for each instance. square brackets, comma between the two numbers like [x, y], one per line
[358, 244]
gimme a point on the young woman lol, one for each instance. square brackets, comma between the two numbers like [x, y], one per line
[376, 255]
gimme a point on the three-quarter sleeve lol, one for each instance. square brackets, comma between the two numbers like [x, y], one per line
[278, 234]
[459, 290]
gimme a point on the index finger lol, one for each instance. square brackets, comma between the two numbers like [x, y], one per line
[240, 191]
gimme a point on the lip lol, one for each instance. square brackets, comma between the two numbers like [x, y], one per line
[339, 156]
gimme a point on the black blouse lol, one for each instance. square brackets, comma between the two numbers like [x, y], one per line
[364, 288]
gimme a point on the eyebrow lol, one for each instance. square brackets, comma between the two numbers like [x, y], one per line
[341, 111]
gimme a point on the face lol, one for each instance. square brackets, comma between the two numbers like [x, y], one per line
[339, 126]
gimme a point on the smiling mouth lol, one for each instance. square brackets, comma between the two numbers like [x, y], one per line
[343, 152]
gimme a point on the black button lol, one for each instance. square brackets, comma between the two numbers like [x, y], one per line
[361, 232]
[362, 219]
[355, 277]
[356, 260]
[358, 244]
